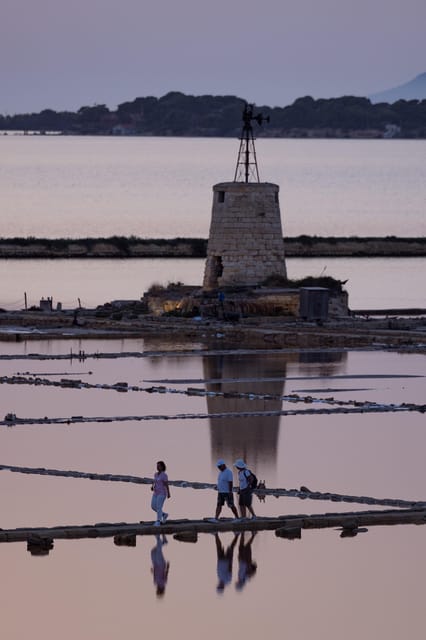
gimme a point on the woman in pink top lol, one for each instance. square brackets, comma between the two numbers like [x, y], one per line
[160, 489]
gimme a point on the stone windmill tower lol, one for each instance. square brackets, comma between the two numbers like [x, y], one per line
[245, 241]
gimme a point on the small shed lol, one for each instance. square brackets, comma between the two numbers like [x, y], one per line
[313, 303]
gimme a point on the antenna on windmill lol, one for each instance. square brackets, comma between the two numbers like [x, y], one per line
[247, 168]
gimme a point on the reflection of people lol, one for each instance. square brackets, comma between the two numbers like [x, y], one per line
[246, 566]
[160, 488]
[224, 562]
[160, 568]
[224, 489]
[245, 488]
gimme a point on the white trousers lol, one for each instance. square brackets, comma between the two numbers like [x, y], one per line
[157, 505]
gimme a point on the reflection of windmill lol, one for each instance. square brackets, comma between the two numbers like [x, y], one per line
[247, 162]
[254, 438]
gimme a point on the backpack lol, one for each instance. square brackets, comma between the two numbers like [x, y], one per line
[252, 480]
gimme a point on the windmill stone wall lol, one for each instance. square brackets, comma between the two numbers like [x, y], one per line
[245, 243]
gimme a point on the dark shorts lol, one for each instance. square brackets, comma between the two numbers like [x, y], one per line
[246, 497]
[225, 497]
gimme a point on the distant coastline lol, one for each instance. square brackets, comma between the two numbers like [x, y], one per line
[177, 114]
[122, 247]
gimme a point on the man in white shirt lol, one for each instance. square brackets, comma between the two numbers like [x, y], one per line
[225, 483]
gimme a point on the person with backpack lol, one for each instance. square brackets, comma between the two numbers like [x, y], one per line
[247, 484]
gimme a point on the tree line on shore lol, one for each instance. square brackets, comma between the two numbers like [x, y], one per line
[177, 114]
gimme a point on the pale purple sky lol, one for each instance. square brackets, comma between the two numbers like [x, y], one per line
[63, 55]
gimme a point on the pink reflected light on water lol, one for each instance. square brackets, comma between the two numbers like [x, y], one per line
[316, 586]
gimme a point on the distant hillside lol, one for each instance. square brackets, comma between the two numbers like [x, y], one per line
[413, 90]
[177, 114]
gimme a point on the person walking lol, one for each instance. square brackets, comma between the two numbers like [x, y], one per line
[225, 483]
[161, 491]
[245, 479]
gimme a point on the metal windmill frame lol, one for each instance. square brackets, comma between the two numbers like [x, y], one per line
[247, 169]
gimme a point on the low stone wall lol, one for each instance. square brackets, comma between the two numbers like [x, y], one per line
[305, 246]
[310, 247]
[105, 249]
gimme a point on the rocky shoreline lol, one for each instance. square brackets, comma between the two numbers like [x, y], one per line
[132, 247]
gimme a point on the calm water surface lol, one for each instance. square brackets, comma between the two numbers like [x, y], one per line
[311, 587]
[320, 586]
[372, 283]
[161, 187]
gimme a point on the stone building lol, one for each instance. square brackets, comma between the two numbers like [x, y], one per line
[245, 243]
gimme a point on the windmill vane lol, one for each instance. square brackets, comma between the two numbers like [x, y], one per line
[247, 163]
[248, 116]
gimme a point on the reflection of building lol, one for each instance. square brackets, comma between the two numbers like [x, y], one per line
[253, 438]
[324, 363]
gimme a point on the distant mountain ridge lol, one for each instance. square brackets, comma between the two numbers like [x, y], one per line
[413, 90]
